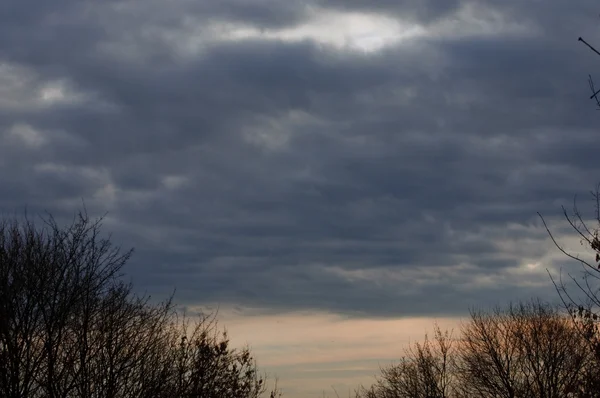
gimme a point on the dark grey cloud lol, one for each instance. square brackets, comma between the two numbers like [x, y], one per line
[293, 174]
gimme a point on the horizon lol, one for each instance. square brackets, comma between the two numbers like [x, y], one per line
[312, 168]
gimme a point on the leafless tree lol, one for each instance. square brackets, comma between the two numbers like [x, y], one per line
[426, 371]
[46, 274]
[206, 366]
[70, 327]
[582, 299]
[527, 350]
[580, 294]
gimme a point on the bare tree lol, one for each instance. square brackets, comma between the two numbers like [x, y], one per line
[206, 366]
[527, 350]
[581, 297]
[582, 300]
[425, 372]
[487, 357]
[70, 327]
[45, 275]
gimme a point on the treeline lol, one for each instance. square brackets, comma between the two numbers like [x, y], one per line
[70, 327]
[528, 350]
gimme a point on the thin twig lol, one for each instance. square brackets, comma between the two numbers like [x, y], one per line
[589, 45]
[563, 250]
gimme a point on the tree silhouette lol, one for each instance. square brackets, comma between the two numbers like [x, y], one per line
[528, 350]
[70, 327]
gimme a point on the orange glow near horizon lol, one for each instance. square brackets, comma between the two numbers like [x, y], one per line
[322, 351]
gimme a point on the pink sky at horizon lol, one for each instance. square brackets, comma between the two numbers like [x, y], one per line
[312, 354]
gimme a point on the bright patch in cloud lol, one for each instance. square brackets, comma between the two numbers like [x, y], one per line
[349, 31]
[27, 135]
[53, 92]
[366, 32]
[59, 92]
[475, 19]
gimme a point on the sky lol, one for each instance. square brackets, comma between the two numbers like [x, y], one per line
[333, 175]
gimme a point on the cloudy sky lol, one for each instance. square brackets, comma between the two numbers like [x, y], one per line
[334, 175]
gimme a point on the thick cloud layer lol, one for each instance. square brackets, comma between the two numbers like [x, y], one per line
[383, 159]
